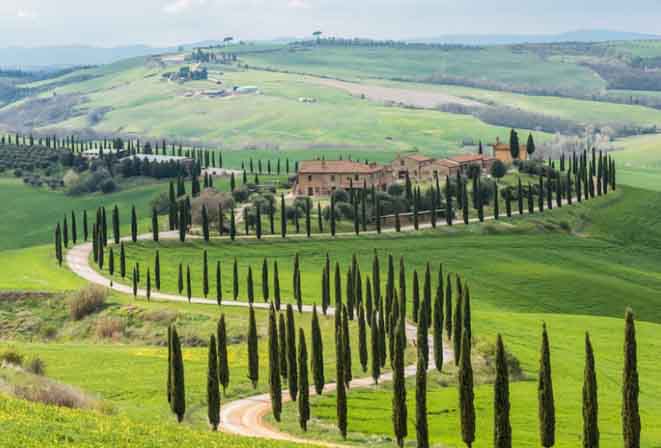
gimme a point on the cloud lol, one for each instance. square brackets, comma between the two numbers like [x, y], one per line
[298, 4]
[25, 14]
[179, 6]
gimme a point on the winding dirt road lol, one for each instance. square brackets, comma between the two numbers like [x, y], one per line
[245, 416]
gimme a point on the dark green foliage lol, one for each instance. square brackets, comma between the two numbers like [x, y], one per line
[375, 349]
[514, 144]
[148, 285]
[338, 288]
[178, 397]
[282, 343]
[590, 404]
[205, 273]
[250, 286]
[421, 424]
[362, 338]
[253, 349]
[317, 353]
[502, 432]
[341, 393]
[219, 284]
[180, 279]
[157, 269]
[546, 403]
[154, 225]
[58, 244]
[437, 322]
[466, 393]
[423, 337]
[291, 354]
[466, 313]
[134, 225]
[223, 361]
[399, 411]
[265, 280]
[213, 390]
[189, 290]
[303, 384]
[275, 384]
[346, 346]
[235, 279]
[457, 328]
[283, 217]
[630, 412]
[276, 286]
[415, 296]
[530, 145]
[205, 223]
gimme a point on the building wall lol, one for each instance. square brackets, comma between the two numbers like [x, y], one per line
[505, 156]
[323, 184]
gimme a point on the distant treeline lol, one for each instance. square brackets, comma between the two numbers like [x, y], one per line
[363, 42]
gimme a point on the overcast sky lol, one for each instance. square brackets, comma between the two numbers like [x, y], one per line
[160, 22]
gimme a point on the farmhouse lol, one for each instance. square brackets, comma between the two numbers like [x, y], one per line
[467, 160]
[501, 151]
[321, 177]
[417, 166]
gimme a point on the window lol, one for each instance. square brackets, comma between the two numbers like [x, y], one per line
[310, 178]
[356, 177]
[332, 178]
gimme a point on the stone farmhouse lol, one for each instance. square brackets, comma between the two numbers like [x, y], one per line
[501, 151]
[322, 177]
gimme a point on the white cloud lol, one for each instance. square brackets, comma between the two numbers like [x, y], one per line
[179, 6]
[25, 14]
[298, 4]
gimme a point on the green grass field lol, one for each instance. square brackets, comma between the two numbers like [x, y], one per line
[639, 161]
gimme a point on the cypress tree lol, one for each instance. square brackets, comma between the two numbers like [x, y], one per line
[298, 294]
[398, 226]
[205, 223]
[178, 400]
[590, 405]
[168, 389]
[213, 390]
[421, 425]
[545, 394]
[58, 244]
[232, 224]
[154, 225]
[317, 353]
[630, 413]
[466, 313]
[291, 354]
[416, 296]
[399, 411]
[276, 286]
[423, 336]
[338, 289]
[283, 217]
[308, 224]
[519, 196]
[182, 221]
[258, 222]
[235, 279]
[65, 232]
[189, 290]
[341, 393]
[85, 225]
[265, 280]
[253, 350]
[449, 213]
[275, 384]
[219, 285]
[376, 352]
[111, 263]
[320, 217]
[466, 394]
[332, 215]
[282, 334]
[362, 337]
[457, 328]
[223, 361]
[438, 325]
[74, 230]
[250, 286]
[346, 347]
[148, 285]
[303, 384]
[180, 279]
[382, 336]
[369, 306]
[157, 270]
[502, 432]
[205, 274]
[376, 279]
[134, 225]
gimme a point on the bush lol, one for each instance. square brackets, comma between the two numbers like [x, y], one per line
[396, 189]
[11, 356]
[110, 327]
[108, 186]
[37, 366]
[498, 169]
[87, 301]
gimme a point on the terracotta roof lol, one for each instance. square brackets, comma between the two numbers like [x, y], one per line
[336, 166]
[418, 157]
[467, 158]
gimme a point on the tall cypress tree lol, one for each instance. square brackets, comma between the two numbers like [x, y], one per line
[58, 244]
[223, 361]
[154, 225]
[235, 279]
[157, 270]
[276, 286]
[74, 230]
[457, 328]
[205, 273]
[178, 398]
[376, 352]
[275, 384]
[415, 296]
[148, 285]
[466, 394]
[213, 390]
[134, 225]
[399, 411]
[189, 290]
[265, 280]
[253, 349]
[282, 334]
[205, 223]
[85, 225]
[291, 354]
[545, 395]
[346, 347]
[630, 412]
[250, 286]
[115, 224]
[317, 353]
[362, 337]
[502, 429]
[219, 284]
[421, 425]
[180, 279]
[341, 393]
[590, 405]
[303, 384]
[283, 216]
[437, 322]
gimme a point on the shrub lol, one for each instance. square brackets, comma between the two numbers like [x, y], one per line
[37, 366]
[56, 394]
[110, 327]
[87, 301]
[71, 178]
[498, 169]
[11, 356]
[108, 186]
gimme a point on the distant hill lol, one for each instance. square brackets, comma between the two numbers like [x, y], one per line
[505, 39]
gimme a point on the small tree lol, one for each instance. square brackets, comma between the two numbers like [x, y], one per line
[545, 395]
[213, 390]
[291, 354]
[303, 385]
[502, 433]
[399, 411]
[223, 361]
[466, 394]
[134, 225]
[590, 405]
[362, 337]
[498, 169]
[275, 384]
[178, 398]
[530, 145]
[317, 353]
[630, 412]
[253, 350]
